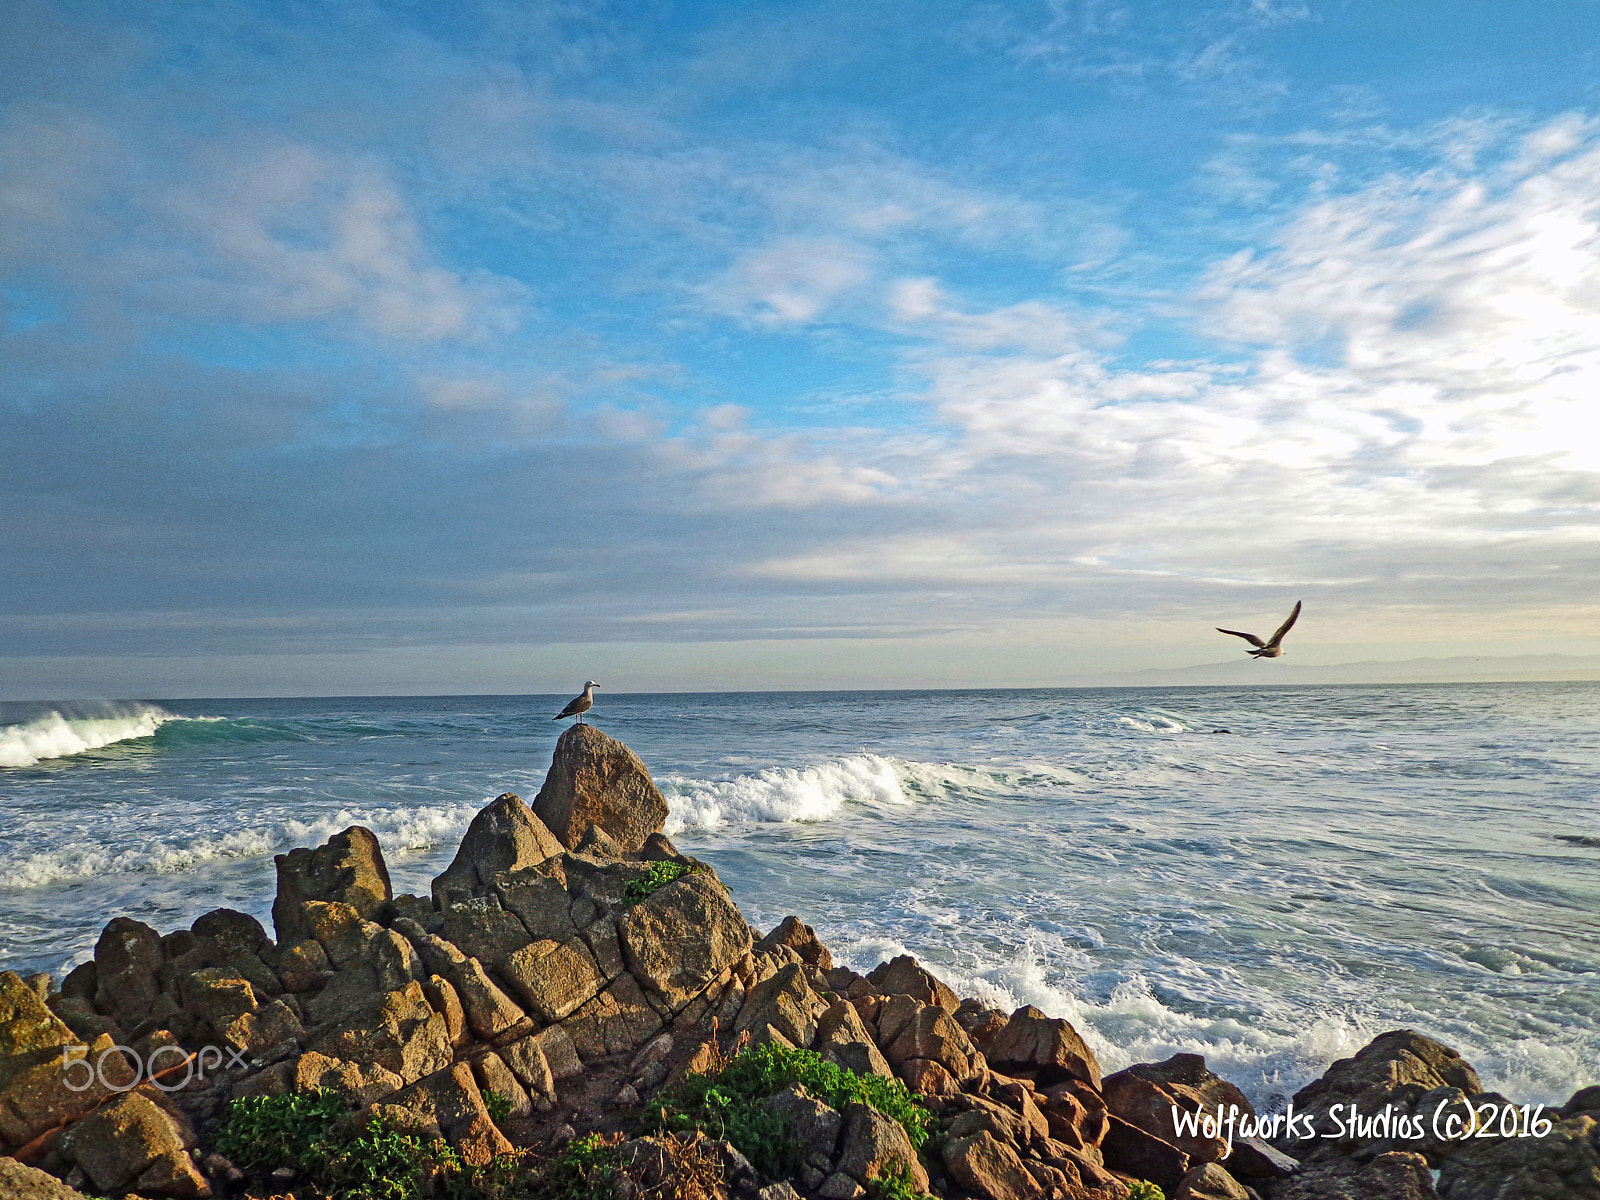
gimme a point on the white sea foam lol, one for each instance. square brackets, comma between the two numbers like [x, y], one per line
[398, 830]
[55, 735]
[813, 793]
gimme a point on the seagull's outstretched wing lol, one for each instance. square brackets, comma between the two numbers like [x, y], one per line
[1249, 637]
[1286, 626]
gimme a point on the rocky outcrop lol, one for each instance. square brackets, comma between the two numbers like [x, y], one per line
[570, 963]
[505, 836]
[348, 868]
[595, 780]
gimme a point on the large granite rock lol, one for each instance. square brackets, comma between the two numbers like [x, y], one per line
[596, 780]
[680, 938]
[135, 1144]
[1046, 1049]
[504, 836]
[21, 1182]
[1563, 1165]
[127, 961]
[347, 868]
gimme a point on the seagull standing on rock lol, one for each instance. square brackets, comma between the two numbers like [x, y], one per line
[579, 705]
[1269, 648]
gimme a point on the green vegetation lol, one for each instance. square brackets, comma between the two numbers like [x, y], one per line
[314, 1135]
[1145, 1190]
[659, 875]
[730, 1102]
[498, 1106]
[894, 1182]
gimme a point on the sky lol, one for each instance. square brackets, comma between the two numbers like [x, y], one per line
[462, 347]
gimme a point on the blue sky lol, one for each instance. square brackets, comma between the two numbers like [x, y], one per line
[489, 347]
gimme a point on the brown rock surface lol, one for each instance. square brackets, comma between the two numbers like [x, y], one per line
[1048, 1048]
[904, 976]
[21, 1182]
[134, 1142]
[505, 835]
[872, 1144]
[348, 867]
[680, 938]
[596, 780]
[989, 1168]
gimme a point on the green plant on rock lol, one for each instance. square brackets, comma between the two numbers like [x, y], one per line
[657, 877]
[1143, 1189]
[267, 1132]
[730, 1102]
[497, 1105]
[894, 1182]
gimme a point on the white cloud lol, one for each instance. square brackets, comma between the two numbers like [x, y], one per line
[792, 281]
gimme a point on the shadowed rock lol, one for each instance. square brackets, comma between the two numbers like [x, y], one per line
[504, 836]
[596, 780]
[347, 868]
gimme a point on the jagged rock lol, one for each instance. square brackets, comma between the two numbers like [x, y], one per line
[134, 1143]
[840, 1186]
[79, 1016]
[597, 843]
[843, 1038]
[495, 1076]
[1209, 1182]
[680, 938]
[34, 1087]
[786, 1003]
[617, 1021]
[346, 992]
[904, 976]
[596, 780]
[26, 1022]
[1399, 1059]
[397, 1031]
[491, 1013]
[1047, 1048]
[1254, 1161]
[481, 929]
[1019, 1098]
[539, 898]
[800, 938]
[442, 998]
[1584, 1100]
[604, 942]
[127, 961]
[1563, 1165]
[504, 836]
[1129, 1149]
[813, 1125]
[21, 1182]
[931, 1033]
[1141, 1101]
[983, 1114]
[450, 1100]
[553, 978]
[1397, 1175]
[217, 997]
[272, 1024]
[338, 927]
[926, 1077]
[304, 967]
[363, 1082]
[987, 1167]
[526, 1059]
[347, 868]
[227, 934]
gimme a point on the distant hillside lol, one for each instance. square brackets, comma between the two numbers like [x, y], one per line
[1465, 669]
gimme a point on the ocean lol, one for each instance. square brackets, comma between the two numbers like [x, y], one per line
[1266, 876]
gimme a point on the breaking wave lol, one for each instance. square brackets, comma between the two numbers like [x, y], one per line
[813, 793]
[55, 734]
[398, 830]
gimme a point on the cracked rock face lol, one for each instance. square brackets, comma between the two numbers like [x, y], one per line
[595, 780]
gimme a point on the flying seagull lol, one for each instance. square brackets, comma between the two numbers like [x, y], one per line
[1268, 648]
[579, 705]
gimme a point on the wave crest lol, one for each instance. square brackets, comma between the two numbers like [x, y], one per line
[58, 735]
[812, 793]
